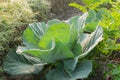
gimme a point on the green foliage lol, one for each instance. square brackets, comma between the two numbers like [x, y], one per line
[114, 72]
[107, 14]
[13, 14]
[63, 45]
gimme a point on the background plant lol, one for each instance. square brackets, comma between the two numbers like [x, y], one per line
[41, 8]
[108, 12]
[16, 13]
[13, 14]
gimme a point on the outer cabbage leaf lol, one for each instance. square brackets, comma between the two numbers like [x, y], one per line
[15, 64]
[78, 22]
[33, 34]
[70, 64]
[82, 71]
[89, 41]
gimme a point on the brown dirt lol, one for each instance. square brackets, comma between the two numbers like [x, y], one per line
[61, 10]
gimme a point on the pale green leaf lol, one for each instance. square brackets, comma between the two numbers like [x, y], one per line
[89, 41]
[70, 64]
[33, 34]
[78, 22]
[15, 64]
[82, 71]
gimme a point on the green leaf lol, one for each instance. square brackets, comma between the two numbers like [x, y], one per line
[90, 27]
[51, 22]
[82, 71]
[36, 52]
[15, 64]
[57, 74]
[70, 64]
[78, 22]
[91, 16]
[116, 71]
[89, 41]
[59, 53]
[77, 50]
[51, 55]
[117, 77]
[33, 34]
[73, 21]
[73, 38]
[60, 31]
[53, 51]
[103, 13]
[78, 6]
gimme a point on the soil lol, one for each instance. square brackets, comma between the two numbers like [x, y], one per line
[61, 10]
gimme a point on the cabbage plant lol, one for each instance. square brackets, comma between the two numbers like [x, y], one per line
[61, 44]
